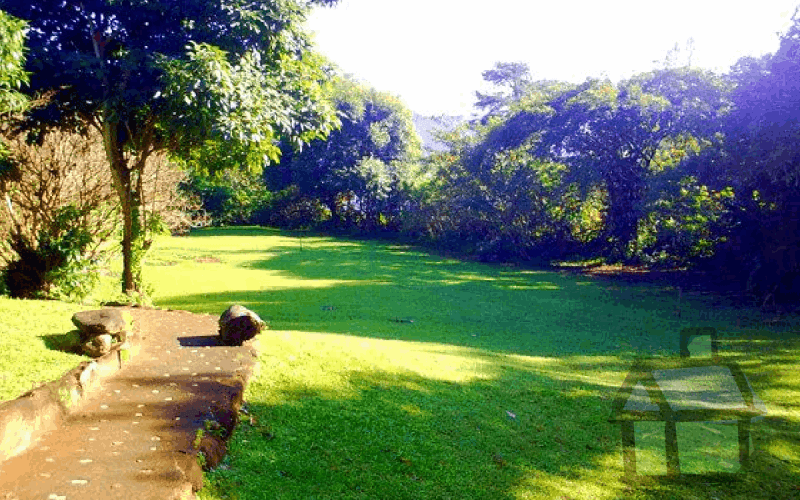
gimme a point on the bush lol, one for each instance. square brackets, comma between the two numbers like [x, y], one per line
[289, 210]
[61, 213]
[231, 198]
[53, 264]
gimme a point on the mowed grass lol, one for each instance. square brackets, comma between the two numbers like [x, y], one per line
[391, 373]
[35, 336]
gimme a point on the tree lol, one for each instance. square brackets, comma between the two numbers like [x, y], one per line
[759, 156]
[362, 164]
[611, 135]
[513, 81]
[60, 211]
[496, 203]
[12, 62]
[158, 75]
[763, 130]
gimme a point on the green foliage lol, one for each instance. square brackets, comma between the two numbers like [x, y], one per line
[757, 155]
[55, 264]
[513, 207]
[12, 74]
[198, 438]
[291, 210]
[232, 197]
[617, 135]
[601, 135]
[360, 170]
[684, 225]
[174, 77]
[12, 63]
[235, 107]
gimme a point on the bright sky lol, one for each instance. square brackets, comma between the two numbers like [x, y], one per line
[431, 53]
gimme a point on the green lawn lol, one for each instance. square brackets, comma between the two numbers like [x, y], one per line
[391, 373]
[33, 338]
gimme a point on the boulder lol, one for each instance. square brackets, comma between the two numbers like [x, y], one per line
[102, 322]
[98, 345]
[239, 324]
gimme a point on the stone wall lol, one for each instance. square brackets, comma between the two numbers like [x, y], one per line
[23, 421]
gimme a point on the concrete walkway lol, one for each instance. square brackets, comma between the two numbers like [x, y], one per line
[133, 436]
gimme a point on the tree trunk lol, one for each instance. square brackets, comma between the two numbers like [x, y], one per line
[626, 187]
[129, 285]
[121, 175]
[128, 203]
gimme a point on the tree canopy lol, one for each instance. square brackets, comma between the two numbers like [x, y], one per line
[512, 82]
[368, 157]
[12, 63]
[612, 134]
[155, 75]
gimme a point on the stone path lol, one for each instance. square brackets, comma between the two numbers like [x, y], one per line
[132, 437]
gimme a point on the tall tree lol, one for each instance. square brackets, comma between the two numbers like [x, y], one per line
[611, 134]
[511, 81]
[154, 75]
[365, 157]
[763, 131]
[760, 158]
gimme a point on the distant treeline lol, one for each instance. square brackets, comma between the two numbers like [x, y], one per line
[676, 167]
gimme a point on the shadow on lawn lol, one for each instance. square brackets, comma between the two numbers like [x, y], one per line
[403, 436]
[522, 433]
[399, 292]
[64, 342]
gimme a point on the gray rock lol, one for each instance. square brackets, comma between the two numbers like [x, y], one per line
[239, 324]
[102, 322]
[98, 345]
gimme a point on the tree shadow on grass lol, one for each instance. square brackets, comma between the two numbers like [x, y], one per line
[383, 434]
[404, 436]
[514, 434]
[371, 289]
[397, 291]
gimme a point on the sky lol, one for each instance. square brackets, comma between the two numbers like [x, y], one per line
[431, 53]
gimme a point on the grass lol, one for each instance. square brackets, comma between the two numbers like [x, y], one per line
[391, 373]
[34, 344]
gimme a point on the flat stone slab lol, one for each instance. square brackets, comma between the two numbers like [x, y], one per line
[101, 322]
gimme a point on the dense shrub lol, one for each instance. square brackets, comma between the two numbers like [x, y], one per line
[55, 263]
[230, 198]
[289, 210]
[60, 215]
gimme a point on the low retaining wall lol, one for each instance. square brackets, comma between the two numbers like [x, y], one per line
[23, 421]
